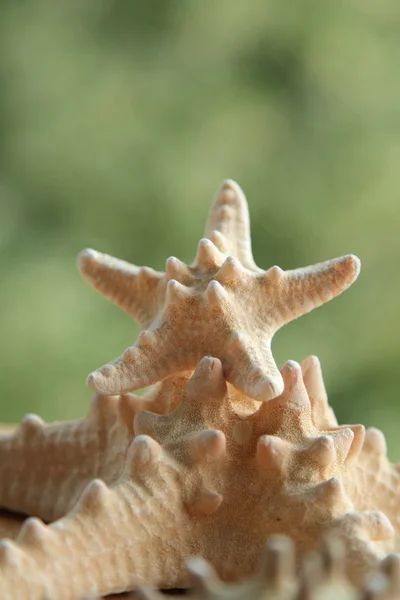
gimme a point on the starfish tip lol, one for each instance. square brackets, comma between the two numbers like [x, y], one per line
[268, 388]
[353, 265]
[92, 381]
[85, 256]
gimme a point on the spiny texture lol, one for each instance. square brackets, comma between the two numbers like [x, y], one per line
[206, 472]
[206, 469]
[45, 467]
[221, 305]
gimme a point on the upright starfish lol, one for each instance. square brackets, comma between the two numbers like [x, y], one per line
[222, 305]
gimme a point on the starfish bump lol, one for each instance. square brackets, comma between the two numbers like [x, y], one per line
[221, 305]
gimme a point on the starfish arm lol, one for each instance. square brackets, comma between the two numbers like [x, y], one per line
[45, 467]
[131, 288]
[251, 371]
[228, 224]
[134, 369]
[114, 537]
[306, 288]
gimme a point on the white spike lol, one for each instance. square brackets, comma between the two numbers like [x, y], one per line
[274, 274]
[144, 451]
[207, 254]
[175, 269]
[329, 492]
[313, 379]
[344, 439]
[209, 444]
[94, 495]
[358, 442]
[10, 554]
[215, 293]
[176, 292]
[322, 451]
[31, 424]
[271, 453]
[33, 531]
[294, 390]
[207, 382]
[375, 441]
[231, 270]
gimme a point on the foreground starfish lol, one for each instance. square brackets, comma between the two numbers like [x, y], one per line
[222, 305]
[209, 479]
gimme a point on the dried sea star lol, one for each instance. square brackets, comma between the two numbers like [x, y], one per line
[222, 305]
[210, 471]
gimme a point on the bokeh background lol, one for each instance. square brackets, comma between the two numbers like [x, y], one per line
[118, 122]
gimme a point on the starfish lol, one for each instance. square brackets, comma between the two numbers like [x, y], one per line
[198, 466]
[222, 305]
[203, 473]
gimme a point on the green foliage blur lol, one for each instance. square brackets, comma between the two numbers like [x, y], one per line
[118, 122]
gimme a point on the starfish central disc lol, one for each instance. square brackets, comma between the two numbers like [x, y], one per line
[221, 305]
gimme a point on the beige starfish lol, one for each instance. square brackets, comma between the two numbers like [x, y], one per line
[222, 305]
[322, 577]
[45, 467]
[205, 469]
[204, 473]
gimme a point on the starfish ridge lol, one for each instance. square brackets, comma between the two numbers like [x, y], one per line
[222, 305]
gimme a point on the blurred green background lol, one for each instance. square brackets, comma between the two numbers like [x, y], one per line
[118, 122]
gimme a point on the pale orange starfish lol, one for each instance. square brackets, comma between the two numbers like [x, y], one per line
[222, 305]
[206, 479]
[204, 469]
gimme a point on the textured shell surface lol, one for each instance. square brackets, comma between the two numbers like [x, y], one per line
[226, 456]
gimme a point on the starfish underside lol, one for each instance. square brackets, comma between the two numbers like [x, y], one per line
[198, 466]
